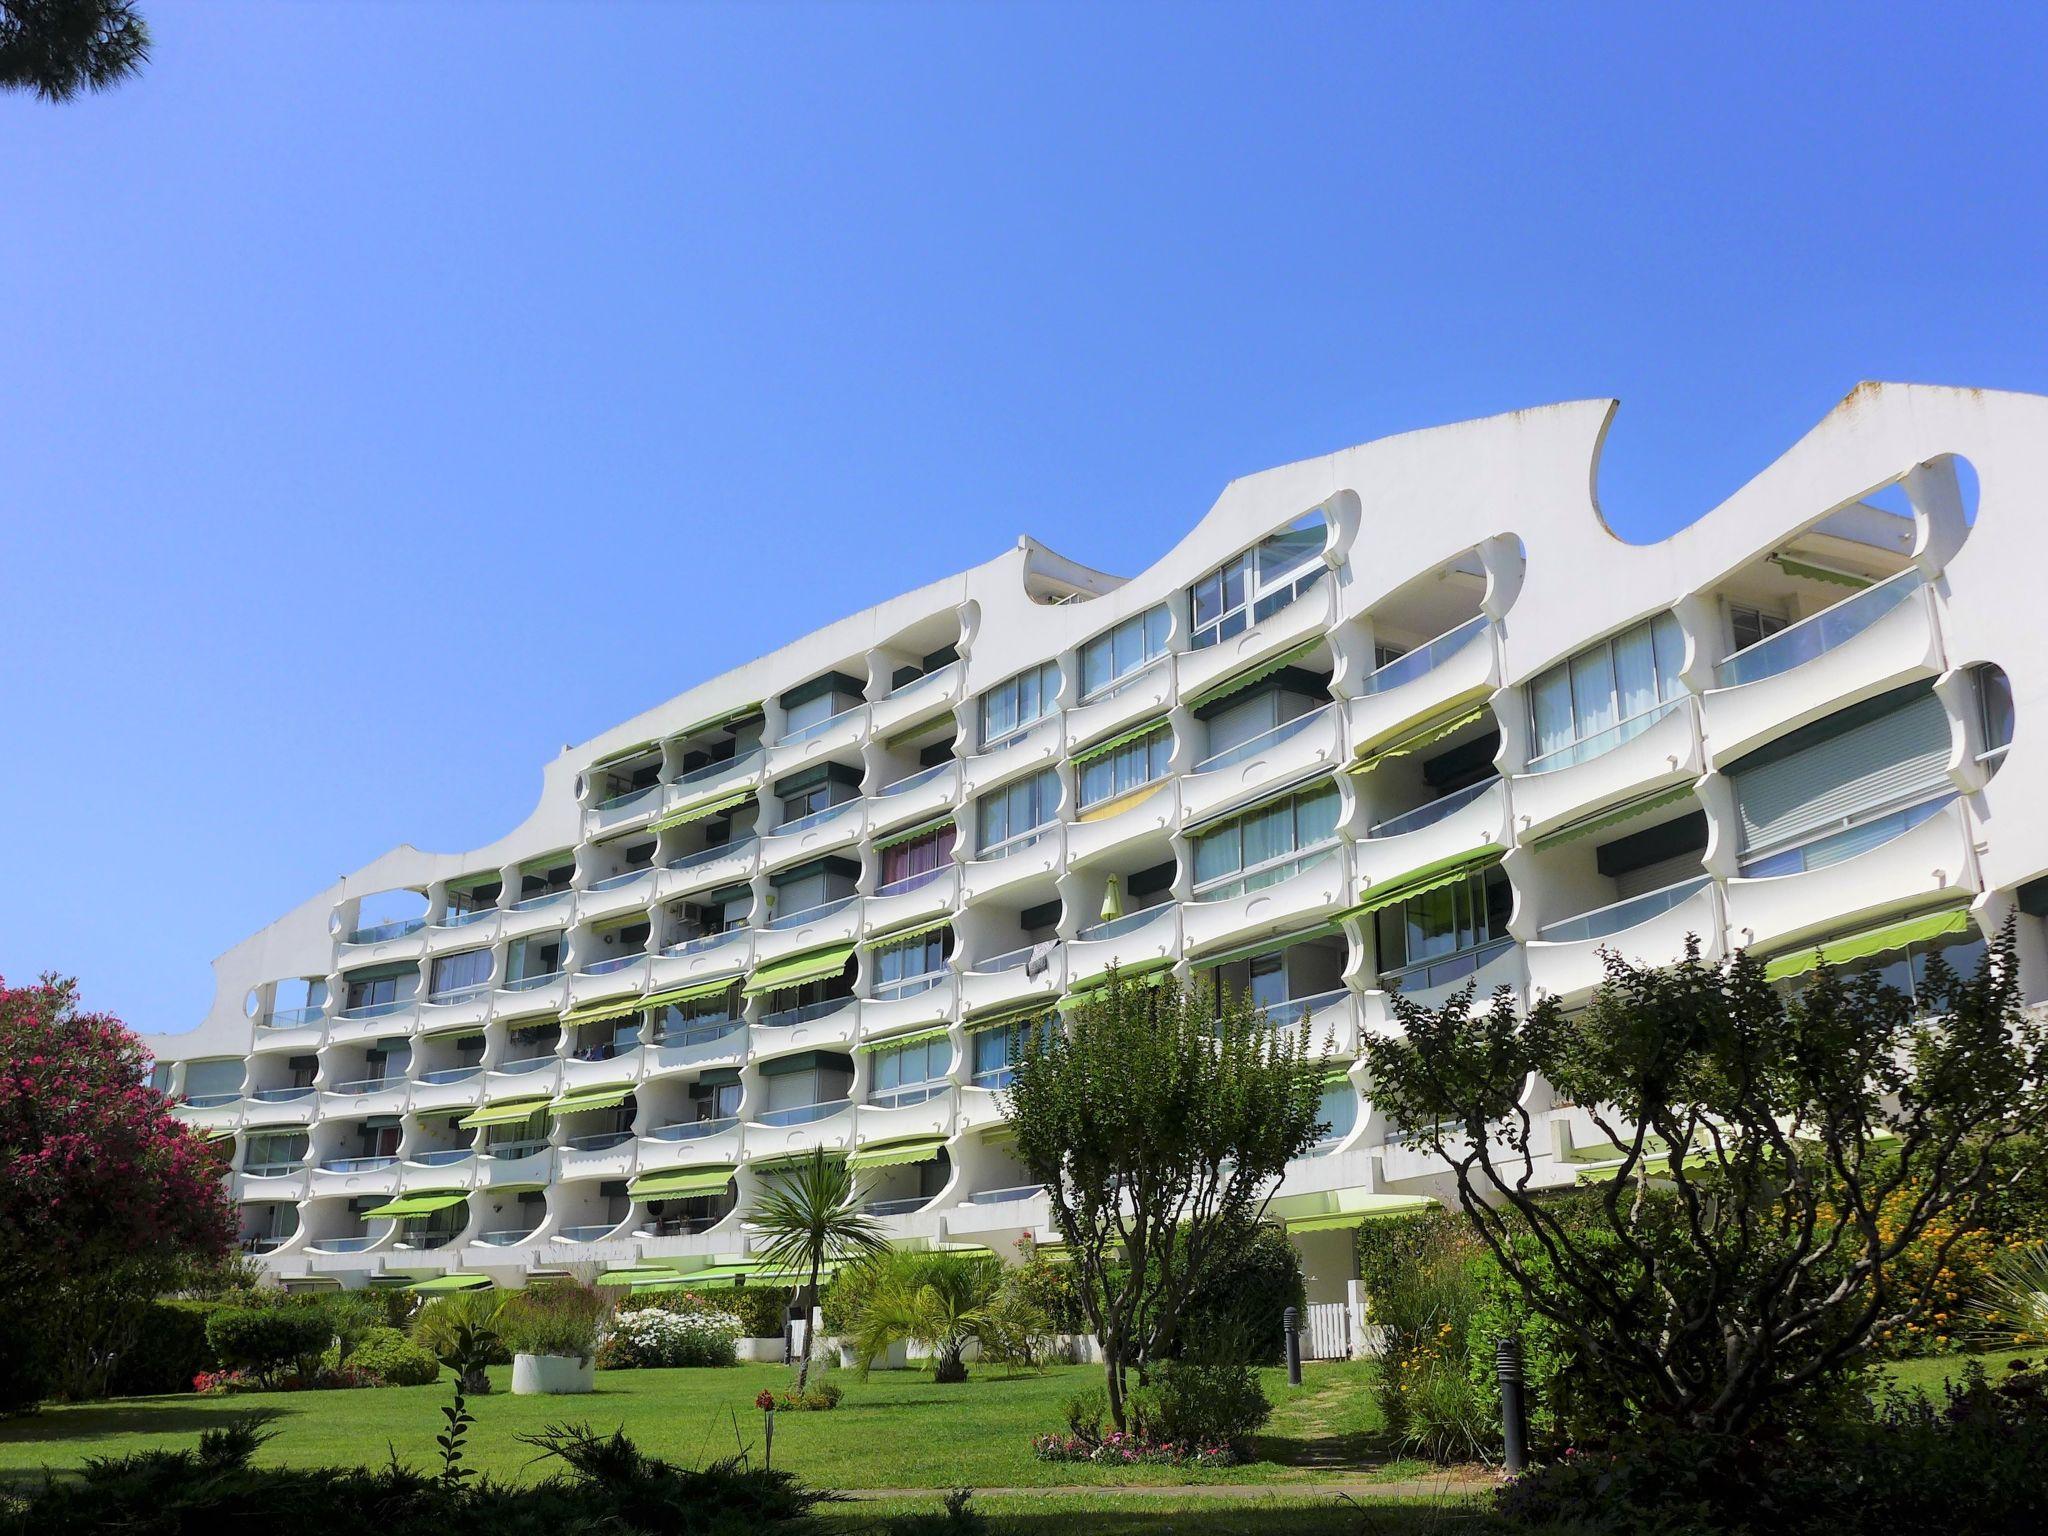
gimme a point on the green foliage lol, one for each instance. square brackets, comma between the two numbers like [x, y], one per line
[818, 1397]
[761, 1309]
[170, 1349]
[1185, 1403]
[943, 1302]
[1236, 1310]
[395, 1360]
[57, 48]
[1780, 1159]
[811, 1215]
[1160, 1122]
[436, 1326]
[268, 1341]
[1051, 1289]
[553, 1319]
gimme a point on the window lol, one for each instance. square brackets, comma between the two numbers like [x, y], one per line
[460, 975]
[1123, 652]
[1019, 703]
[1258, 583]
[809, 705]
[912, 966]
[1746, 625]
[384, 989]
[1338, 1112]
[1441, 935]
[995, 1052]
[715, 1101]
[1994, 712]
[1007, 817]
[534, 957]
[906, 866]
[904, 1074]
[1266, 844]
[1605, 694]
[681, 1020]
[1127, 768]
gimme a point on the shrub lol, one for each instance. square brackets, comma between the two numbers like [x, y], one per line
[388, 1355]
[1423, 1289]
[1130, 1450]
[1186, 1404]
[1237, 1307]
[169, 1350]
[553, 1320]
[761, 1309]
[667, 1337]
[434, 1325]
[1084, 1411]
[817, 1397]
[268, 1341]
[1050, 1288]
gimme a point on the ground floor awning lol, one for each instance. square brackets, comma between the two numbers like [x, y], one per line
[440, 1284]
[1363, 1209]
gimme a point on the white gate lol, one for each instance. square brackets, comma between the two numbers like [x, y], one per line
[1328, 1336]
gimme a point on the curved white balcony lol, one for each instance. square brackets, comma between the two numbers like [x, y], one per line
[1136, 937]
[996, 980]
[1031, 748]
[532, 996]
[1156, 811]
[397, 1019]
[726, 863]
[777, 1133]
[1482, 822]
[704, 783]
[978, 1108]
[353, 1176]
[931, 1116]
[926, 697]
[522, 1077]
[1457, 668]
[467, 1011]
[1143, 693]
[1306, 618]
[1882, 638]
[521, 1164]
[889, 1015]
[382, 1096]
[460, 930]
[460, 1093]
[1328, 1017]
[831, 1025]
[999, 1211]
[615, 894]
[288, 1040]
[1316, 887]
[920, 796]
[623, 810]
[833, 922]
[597, 1155]
[928, 895]
[818, 833]
[1291, 750]
[809, 743]
[699, 1045]
[287, 1186]
[1663, 753]
[259, 1113]
[1015, 862]
[701, 959]
[1918, 868]
[405, 940]
[713, 1141]
[433, 1167]
[617, 977]
[1488, 967]
[622, 1066]
[1566, 960]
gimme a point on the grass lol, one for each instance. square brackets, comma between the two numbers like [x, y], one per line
[1928, 1373]
[1114, 1514]
[898, 1429]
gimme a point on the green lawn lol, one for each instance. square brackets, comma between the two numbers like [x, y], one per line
[896, 1430]
[1928, 1374]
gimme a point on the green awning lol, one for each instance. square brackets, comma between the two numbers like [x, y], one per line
[795, 970]
[695, 989]
[1088, 754]
[724, 720]
[1152, 973]
[1601, 820]
[1443, 871]
[218, 1133]
[1424, 735]
[905, 935]
[912, 834]
[913, 1037]
[443, 1283]
[617, 1006]
[1010, 1013]
[717, 1277]
[1792, 567]
[407, 1207]
[898, 1154]
[1337, 1075]
[620, 754]
[575, 1103]
[785, 1160]
[1265, 946]
[1870, 941]
[680, 1183]
[682, 816]
[1383, 1206]
[504, 1112]
[1239, 681]
[638, 1275]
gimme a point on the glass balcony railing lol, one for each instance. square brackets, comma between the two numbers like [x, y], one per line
[527, 1064]
[804, 1015]
[1621, 915]
[697, 943]
[377, 933]
[1442, 970]
[626, 802]
[1265, 741]
[820, 727]
[611, 963]
[900, 1207]
[529, 983]
[210, 1100]
[1283, 1015]
[273, 1170]
[283, 1095]
[443, 1075]
[681, 1226]
[1259, 877]
[693, 1130]
[701, 1032]
[266, 1242]
[908, 1094]
[1125, 680]
[1117, 927]
[377, 1010]
[823, 909]
[1003, 1196]
[1599, 743]
[620, 881]
[461, 994]
[740, 763]
[442, 1157]
[504, 1237]
[598, 1141]
[914, 882]
[418, 1239]
[950, 672]
[358, 1164]
[818, 818]
[1819, 633]
[911, 781]
[1429, 815]
[1008, 960]
[342, 1244]
[804, 1114]
[541, 899]
[1017, 844]
[1861, 832]
[606, 1051]
[507, 1150]
[287, 1018]
[909, 986]
[587, 1232]
[1425, 658]
[368, 1085]
[462, 919]
[738, 847]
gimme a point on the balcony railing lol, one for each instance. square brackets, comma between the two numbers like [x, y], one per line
[1620, 915]
[612, 963]
[419, 1239]
[804, 1015]
[909, 1094]
[442, 1157]
[358, 1164]
[1425, 658]
[1123, 680]
[342, 1244]
[275, 1170]
[714, 852]
[587, 1233]
[1259, 876]
[1018, 843]
[902, 1207]
[819, 727]
[1004, 1196]
[1443, 969]
[287, 1018]
[911, 781]
[368, 1085]
[724, 766]
[912, 882]
[618, 807]
[1117, 927]
[529, 983]
[910, 986]
[1008, 960]
[1857, 832]
[693, 1130]
[503, 1150]
[823, 909]
[377, 933]
[949, 671]
[1819, 633]
[1429, 815]
[599, 1141]
[1264, 741]
[527, 1063]
[804, 1114]
[1599, 743]
[1285, 1014]
[504, 1237]
[461, 994]
[282, 1095]
[541, 899]
[443, 1075]
[378, 1010]
[696, 944]
[700, 1032]
[210, 1100]
[463, 919]
[607, 1051]
[817, 818]
[620, 881]
[682, 1226]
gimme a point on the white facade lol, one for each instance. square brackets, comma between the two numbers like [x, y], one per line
[1757, 691]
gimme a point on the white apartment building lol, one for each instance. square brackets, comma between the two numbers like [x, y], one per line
[1408, 715]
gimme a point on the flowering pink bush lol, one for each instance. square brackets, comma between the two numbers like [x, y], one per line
[227, 1383]
[1125, 1450]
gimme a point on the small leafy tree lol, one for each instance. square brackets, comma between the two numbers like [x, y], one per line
[811, 1217]
[1160, 1122]
[58, 48]
[941, 1301]
[1775, 1157]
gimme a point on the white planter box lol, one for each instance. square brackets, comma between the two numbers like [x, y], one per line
[551, 1374]
[763, 1351]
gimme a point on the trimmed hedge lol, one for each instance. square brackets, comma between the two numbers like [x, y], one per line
[171, 1349]
[394, 1359]
[268, 1341]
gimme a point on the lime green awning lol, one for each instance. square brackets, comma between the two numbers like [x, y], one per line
[898, 1154]
[638, 1275]
[620, 754]
[1382, 1206]
[1811, 572]
[1011, 1013]
[1088, 754]
[1237, 682]
[575, 1103]
[682, 816]
[425, 1203]
[912, 834]
[1440, 872]
[905, 935]
[795, 970]
[913, 1037]
[1868, 942]
[504, 1112]
[717, 1277]
[680, 1183]
[616, 1006]
[443, 1283]
[1424, 735]
[1600, 821]
[694, 990]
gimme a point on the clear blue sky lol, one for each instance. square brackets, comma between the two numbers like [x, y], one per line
[396, 392]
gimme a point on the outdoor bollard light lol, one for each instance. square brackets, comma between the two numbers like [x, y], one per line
[1292, 1322]
[1514, 1421]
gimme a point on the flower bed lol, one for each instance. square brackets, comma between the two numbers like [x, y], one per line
[227, 1383]
[654, 1337]
[1121, 1450]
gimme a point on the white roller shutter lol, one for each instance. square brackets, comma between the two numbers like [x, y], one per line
[1885, 761]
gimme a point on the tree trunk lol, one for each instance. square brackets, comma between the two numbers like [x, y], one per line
[1113, 1370]
[807, 1296]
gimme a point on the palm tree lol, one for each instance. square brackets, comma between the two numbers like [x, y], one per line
[939, 1300]
[811, 1218]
